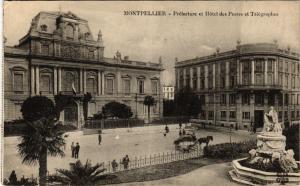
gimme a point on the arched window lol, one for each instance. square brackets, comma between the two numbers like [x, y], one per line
[46, 81]
[109, 83]
[70, 81]
[18, 76]
[69, 31]
[91, 84]
[44, 28]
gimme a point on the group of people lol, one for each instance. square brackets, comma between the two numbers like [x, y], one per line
[75, 150]
[125, 162]
[182, 132]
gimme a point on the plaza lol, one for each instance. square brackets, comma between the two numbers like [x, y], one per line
[116, 143]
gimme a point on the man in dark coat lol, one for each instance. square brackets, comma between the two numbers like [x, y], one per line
[99, 139]
[77, 148]
[125, 162]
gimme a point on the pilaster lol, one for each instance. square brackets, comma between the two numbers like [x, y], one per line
[32, 74]
[99, 82]
[184, 78]
[227, 74]
[81, 80]
[198, 78]
[37, 80]
[266, 71]
[59, 79]
[252, 71]
[206, 76]
[214, 76]
[55, 80]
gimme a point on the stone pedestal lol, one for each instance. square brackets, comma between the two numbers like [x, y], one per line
[270, 142]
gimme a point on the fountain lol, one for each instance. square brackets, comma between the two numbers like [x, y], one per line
[269, 163]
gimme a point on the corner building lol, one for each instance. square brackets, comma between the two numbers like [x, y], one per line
[59, 55]
[237, 87]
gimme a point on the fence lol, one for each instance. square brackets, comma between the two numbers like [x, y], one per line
[113, 123]
[171, 120]
[156, 159]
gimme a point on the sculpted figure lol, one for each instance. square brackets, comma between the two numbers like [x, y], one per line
[271, 123]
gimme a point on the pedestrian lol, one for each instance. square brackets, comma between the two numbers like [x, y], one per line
[114, 165]
[77, 148]
[167, 129]
[73, 149]
[183, 132]
[125, 162]
[180, 132]
[13, 178]
[99, 138]
[180, 125]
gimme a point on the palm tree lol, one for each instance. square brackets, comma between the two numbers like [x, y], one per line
[40, 138]
[149, 101]
[79, 174]
[41, 135]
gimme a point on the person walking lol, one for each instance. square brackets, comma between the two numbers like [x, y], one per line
[167, 129]
[180, 132]
[13, 178]
[99, 138]
[73, 149]
[180, 125]
[114, 165]
[125, 162]
[183, 132]
[77, 148]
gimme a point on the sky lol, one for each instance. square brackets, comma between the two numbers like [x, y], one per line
[146, 38]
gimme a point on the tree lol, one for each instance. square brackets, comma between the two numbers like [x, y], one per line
[187, 103]
[116, 109]
[41, 134]
[149, 101]
[79, 174]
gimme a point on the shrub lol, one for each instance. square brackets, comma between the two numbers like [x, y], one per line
[36, 107]
[293, 139]
[115, 109]
[228, 150]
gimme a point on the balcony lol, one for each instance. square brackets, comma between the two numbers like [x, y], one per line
[258, 87]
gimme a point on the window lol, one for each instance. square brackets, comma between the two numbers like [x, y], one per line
[246, 66]
[202, 83]
[45, 83]
[258, 65]
[232, 81]
[91, 86]
[280, 79]
[91, 54]
[223, 99]
[286, 66]
[286, 115]
[246, 115]
[44, 28]
[286, 80]
[109, 85]
[202, 99]
[18, 81]
[154, 87]
[246, 99]
[126, 83]
[223, 82]
[211, 98]
[298, 114]
[194, 83]
[270, 79]
[270, 65]
[141, 86]
[259, 79]
[293, 115]
[223, 114]
[286, 100]
[69, 81]
[280, 115]
[232, 99]
[246, 78]
[259, 99]
[280, 99]
[293, 82]
[232, 114]
[45, 49]
[69, 31]
[271, 99]
[210, 114]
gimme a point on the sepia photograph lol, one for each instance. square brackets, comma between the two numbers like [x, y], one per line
[187, 93]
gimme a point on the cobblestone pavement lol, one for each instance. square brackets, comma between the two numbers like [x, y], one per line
[116, 143]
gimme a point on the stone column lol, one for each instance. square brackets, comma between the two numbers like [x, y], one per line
[32, 80]
[206, 76]
[241, 73]
[55, 80]
[59, 79]
[198, 78]
[275, 72]
[214, 76]
[227, 84]
[119, 88]
[237, 72]
[239, 114]
[102, 83]
[266, 71]
[252, 71]
[99, 82]
[37, 80]
[191, 78]
[81, 80]
[184, 77]
[84, 80]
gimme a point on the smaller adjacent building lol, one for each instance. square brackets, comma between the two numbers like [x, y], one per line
[168, 92]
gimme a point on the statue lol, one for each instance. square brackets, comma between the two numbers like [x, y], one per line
[271, 123]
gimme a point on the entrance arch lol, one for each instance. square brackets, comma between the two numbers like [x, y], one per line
[71, 114]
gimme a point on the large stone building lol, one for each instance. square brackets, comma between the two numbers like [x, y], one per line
[237, 87]
[60, 55]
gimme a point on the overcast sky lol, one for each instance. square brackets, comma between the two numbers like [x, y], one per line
[146, 38]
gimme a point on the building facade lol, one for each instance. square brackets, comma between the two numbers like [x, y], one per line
[237, 87]
[59, 55]
[168, 92]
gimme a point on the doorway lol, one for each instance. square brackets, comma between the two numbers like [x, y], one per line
[259, 118]
[71, 114]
